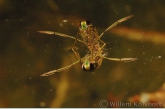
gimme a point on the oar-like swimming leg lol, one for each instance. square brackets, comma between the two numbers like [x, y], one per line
[59, 34]
[121, 59]
[59, 70]
[116, 23]
[74, 48]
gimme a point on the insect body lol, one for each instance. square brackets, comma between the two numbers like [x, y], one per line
[92, 40]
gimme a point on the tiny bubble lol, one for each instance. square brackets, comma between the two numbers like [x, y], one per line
[42, 104]
[144, 53]
[15, 80]
[159, 57]
[20, 19]
[65, 20]
[61, 24]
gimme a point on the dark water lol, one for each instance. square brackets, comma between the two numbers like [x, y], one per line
[26, 54]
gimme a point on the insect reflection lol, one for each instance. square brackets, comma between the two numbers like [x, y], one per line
[91, 39]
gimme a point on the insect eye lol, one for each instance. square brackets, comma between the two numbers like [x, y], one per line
[84, 24]
[88, 22]
[87, 66]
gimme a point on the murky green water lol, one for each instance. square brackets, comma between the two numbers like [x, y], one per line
[26, 54]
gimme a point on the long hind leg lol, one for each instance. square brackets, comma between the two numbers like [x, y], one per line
[60, 69]
[121, 59]
[116, 23]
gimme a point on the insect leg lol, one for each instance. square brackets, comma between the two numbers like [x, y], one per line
[59, 70]
[101, 48]
[121, 59]
[114, 24]
[74, 48]
[60, 34]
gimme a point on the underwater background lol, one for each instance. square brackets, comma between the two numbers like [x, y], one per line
[25, 54]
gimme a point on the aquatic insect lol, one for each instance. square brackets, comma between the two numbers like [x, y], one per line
[91, 39]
